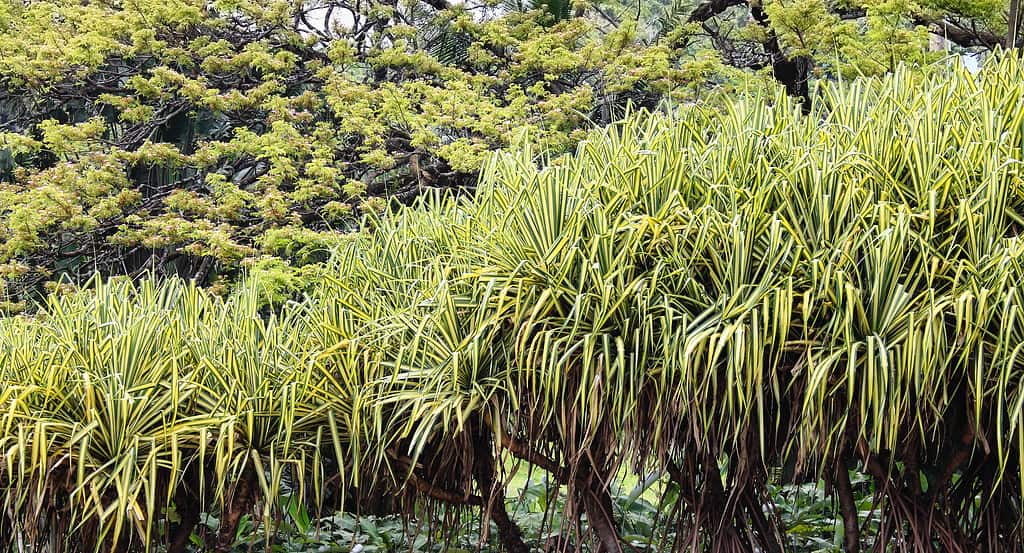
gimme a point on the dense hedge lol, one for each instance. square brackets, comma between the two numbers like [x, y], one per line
[735, 298]
[204, 138]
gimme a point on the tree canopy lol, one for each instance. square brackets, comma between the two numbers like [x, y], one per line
[197, 137]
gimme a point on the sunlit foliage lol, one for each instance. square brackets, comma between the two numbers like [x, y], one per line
[735, 298]
[195, 138]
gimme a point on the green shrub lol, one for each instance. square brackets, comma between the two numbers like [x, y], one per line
[737, 299]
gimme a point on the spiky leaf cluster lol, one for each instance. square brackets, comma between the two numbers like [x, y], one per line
[196, 138]
[734, 298]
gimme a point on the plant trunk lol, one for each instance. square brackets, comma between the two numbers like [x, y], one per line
[793, 73]
[187, 507]
[1013, 25]
[240, 503]
[598, 505]
[851, 523]
[493, 494]
[508, 532]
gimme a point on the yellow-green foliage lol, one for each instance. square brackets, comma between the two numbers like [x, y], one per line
[721, 295]
[117, 397]
[189, 129]
[193, 137]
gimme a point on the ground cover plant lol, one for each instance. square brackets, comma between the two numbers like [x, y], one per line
[745, 300]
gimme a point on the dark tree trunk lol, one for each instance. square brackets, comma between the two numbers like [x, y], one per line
[241, 501]
[508, 532]
[792, 73]
[188, 509]
[493, 493]
[1013, 25]
[592, 492]
[848, 507]
[600, 514]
